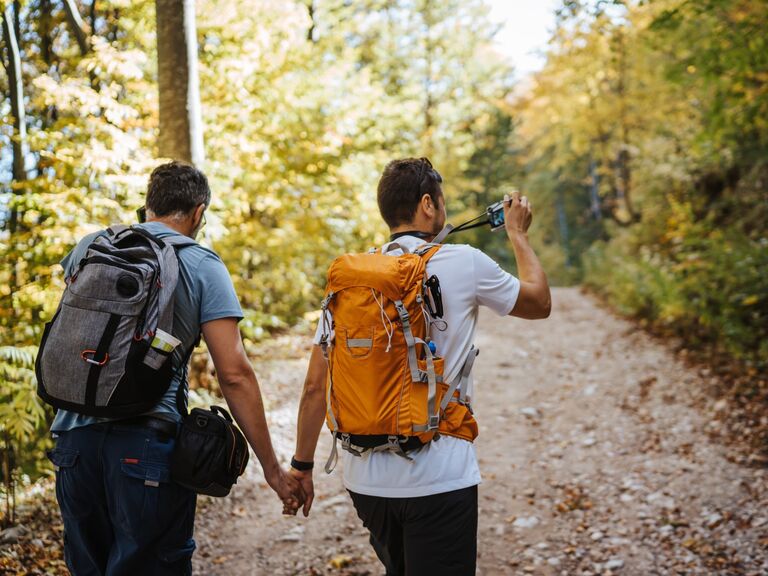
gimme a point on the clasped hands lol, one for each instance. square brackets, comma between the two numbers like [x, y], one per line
[295, 488]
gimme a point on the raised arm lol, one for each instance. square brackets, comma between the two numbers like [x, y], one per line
[534, 301]
[241, 391]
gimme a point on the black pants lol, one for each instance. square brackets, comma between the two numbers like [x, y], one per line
[423, 536]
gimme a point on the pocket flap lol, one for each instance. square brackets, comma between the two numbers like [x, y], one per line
[150, 472]
[63, 457]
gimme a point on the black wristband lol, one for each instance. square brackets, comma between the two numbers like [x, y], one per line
[301, 466]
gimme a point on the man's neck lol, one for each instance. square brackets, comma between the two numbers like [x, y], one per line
[173, 224]
[412, 230]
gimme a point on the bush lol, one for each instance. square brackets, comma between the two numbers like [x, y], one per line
[710, 289]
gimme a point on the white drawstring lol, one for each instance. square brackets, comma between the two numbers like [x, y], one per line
[427, 318]
[390, 332]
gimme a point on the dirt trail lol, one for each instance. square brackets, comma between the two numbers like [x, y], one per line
[594, 456]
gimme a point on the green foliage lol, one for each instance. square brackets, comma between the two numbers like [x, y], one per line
[301, 112]
[300, 144]
[23, 420]
[21, 411]
[704, 284]
[647, 129]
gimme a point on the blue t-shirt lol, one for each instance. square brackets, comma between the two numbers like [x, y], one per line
[204, 292]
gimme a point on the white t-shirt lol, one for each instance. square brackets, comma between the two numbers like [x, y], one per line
[468, 279]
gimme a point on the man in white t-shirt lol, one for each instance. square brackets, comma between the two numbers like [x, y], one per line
[422, 511]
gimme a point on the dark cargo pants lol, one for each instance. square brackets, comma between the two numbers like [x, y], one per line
[423, 536]
[122, 515]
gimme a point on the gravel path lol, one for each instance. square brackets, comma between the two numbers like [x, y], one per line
[595, 456]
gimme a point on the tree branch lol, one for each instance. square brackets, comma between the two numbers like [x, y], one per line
[79, 28]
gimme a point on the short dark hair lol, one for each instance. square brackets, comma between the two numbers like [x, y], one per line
[176, 187]
[401, 187]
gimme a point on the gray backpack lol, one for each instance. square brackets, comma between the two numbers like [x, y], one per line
[107, 351]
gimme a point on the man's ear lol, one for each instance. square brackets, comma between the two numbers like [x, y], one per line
[428, 205]
[198, 214]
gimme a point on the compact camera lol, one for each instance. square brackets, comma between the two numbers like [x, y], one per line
[496, 215]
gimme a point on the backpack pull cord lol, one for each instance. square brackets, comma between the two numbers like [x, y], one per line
[463, 380]
[384, 317]
[426, 314]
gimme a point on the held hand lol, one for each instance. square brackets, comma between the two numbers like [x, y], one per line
[517, 214]
[289, 490]
[305, 479]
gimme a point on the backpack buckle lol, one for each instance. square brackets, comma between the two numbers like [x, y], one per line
[346, 444]
[326, 301]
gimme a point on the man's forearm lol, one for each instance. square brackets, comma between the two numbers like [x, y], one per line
[311, 407]
[534, 300]
[243, 397]
[528, 266]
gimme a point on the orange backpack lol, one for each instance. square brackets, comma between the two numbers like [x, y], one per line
[385, 388]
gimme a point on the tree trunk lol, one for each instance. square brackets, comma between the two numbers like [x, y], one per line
[594, 191]
[624, 187]
[181, 133]
[428, 101]
[45, 31]
[93, 17]
[562, 221]
[311, 11]
[16, 96]
[79, 28]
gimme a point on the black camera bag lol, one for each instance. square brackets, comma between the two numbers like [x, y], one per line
[210, 453]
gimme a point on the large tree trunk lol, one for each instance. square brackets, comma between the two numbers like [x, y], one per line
[16, 96]
[181, 132]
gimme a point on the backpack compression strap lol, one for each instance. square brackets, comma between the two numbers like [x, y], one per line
[461, 380]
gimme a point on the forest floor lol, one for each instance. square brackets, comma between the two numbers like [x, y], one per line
[601, 450]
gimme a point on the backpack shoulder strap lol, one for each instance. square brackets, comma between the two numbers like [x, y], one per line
[436, 242]
[395, 246]
[117, 229]
[179, 241]
[442, 235]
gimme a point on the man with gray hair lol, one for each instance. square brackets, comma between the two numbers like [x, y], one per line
[122, 513]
